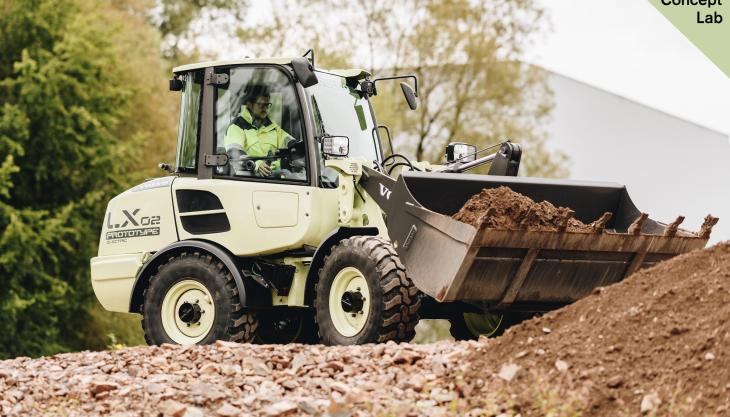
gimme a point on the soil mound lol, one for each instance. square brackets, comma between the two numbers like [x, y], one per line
[502, 208]
[658, 343]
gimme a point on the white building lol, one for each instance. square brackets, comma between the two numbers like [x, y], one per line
[670, 166]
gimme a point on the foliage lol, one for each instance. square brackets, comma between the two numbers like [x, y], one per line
[178, 22]
[473, 85]
[70, 134]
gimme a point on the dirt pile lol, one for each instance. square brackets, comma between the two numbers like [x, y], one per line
[502, 208]
[657, 343]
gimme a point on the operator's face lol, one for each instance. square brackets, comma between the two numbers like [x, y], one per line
[260, 108]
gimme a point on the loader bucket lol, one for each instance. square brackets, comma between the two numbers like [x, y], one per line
[517, 270]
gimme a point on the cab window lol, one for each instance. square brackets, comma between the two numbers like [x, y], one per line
[258, 125]
[187, 139]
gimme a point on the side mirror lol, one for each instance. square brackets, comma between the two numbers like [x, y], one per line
[463, 152]
[304, 71]
[410, 96]
[176, 84]
[336, 145]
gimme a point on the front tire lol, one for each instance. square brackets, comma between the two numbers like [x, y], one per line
[364, 296]
[193, 299]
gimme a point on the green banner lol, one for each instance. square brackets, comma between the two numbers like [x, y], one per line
[706, 23]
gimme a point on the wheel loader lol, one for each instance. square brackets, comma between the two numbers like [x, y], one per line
[333, 242]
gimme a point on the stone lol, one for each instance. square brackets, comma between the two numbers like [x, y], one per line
[308, 406]
[173, 408]
[650, 402]
[615, 381]
[508, 371]
[442, 396]
[561, 365]
[97, 387]
[281, 408]
[227, 410]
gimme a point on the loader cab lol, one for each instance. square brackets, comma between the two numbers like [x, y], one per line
[227, 139]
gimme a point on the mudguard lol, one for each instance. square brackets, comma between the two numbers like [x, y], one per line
[149, 268]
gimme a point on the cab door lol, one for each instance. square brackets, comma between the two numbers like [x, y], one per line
[260, 198]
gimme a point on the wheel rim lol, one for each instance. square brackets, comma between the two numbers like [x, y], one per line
[349, 301]
[187, 312]
[482, 324]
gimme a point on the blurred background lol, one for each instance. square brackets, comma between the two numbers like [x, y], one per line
[592, 90]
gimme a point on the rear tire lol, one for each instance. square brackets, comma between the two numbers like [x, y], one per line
[364, 296]
[193, 299]
[469, 326]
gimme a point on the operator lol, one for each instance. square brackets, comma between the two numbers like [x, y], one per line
[255, 132]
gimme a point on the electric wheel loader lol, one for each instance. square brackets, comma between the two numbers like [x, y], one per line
[321, 238]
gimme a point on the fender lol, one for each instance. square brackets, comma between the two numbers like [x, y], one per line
[149, 268]
[324, 249]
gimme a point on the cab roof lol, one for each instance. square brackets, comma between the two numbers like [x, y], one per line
[347, 73]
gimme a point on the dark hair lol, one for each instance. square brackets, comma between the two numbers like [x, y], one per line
[253, 92]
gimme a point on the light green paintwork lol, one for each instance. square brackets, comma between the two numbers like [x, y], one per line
[192, 292]
[244, 61]
[357, 73]
[348, 279]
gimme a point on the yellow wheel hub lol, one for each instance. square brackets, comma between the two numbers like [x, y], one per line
[482, 324]
[187, 312]
[349, 301]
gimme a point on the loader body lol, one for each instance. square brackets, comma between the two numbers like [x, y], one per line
[339, 245]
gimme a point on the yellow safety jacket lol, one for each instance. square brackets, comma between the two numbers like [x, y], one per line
[263, 141]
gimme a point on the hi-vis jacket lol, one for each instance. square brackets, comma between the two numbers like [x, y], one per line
[266, 140]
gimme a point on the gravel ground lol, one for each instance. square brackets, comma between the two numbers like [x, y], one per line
[230, 379]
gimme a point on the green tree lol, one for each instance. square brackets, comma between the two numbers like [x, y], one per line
[78, 112]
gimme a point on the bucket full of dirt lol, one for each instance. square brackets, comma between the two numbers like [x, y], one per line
[520, 244]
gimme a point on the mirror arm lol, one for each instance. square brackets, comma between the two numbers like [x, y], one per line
[400, 77]
[461, 167]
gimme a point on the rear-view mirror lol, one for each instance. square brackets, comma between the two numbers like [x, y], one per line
[176, 84]
[410, 96]
[304, 71]
[336, 145]
[463, 152]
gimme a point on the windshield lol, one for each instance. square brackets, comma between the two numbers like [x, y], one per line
[343, 113]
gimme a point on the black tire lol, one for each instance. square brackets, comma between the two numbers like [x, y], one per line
[230, 322]
[461, 331]
[281, 326]
[394, 300]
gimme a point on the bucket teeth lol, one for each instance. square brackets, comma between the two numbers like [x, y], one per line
[672, 227]
[527, 218]
[564, 220]
[489, 213]
[600, 224]
[707, 225]
[635, 228]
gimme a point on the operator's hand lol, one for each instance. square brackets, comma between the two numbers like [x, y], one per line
[263, 169]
